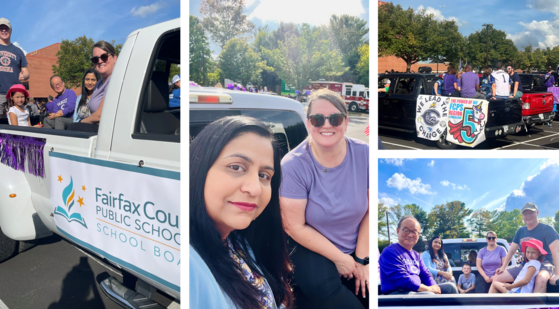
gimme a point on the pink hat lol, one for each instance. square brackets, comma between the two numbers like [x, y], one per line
[17, 88]
[534, 243]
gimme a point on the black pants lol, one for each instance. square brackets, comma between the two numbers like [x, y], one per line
[83, 127]
[481, 285]
[318, 284]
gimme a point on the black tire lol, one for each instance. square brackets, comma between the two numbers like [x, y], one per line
[442, 143]
[7, 247]
[26, 245]
[353, 107]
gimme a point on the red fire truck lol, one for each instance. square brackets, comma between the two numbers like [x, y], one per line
[356, 96]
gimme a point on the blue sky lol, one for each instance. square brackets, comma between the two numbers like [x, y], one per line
[489, 183]
[526, 22]
[38, 24]
[272, 12]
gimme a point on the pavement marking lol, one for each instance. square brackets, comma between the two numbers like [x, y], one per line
[525, 142]
[93, 258]
[2, 305]
[401, 145]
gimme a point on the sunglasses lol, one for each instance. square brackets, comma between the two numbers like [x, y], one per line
[491, 238]
[318, 120]
[103, 57]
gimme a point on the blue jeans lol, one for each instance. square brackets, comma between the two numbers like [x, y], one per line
[446, 288]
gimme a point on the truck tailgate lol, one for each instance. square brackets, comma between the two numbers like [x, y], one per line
[535, 103]
[503, 112]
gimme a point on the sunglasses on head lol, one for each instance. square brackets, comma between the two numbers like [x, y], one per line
[103, 57]
[318, 120]
[491, 238]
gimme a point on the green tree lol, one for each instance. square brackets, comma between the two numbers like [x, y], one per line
[199, 52]
[447, 44]
[405, 34]
[349, 34]
[382, 229]
[363, 65]
[74, 57]
[539, 60]
[224, 20]
[500, 48]
[480, 221]
[237, 61]
[507, 223]
[175, 70]
[448, 219]
[547, 220]
[556, 224]
[552, 55]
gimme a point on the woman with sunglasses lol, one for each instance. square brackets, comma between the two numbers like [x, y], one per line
[104, 59]
[437, 262]
[489, 259]
[238, 248]
[324, 200]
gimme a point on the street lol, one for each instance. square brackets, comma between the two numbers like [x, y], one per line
[56, 274]
[539, 137]
[358, 122]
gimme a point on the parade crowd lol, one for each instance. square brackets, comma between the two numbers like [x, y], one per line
[66, 111]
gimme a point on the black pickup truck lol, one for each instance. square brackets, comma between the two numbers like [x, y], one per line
[397, 107]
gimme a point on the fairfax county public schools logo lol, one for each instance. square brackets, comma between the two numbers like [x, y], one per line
[431, 117]
[5, 60]
[68, 200]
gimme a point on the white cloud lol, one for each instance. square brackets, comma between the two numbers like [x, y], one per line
[477, 199]
[519, 192]
[454, 186]
[400, 182]
[495, 202]
[143, 11]
[305, 11]
[542, 33]
[431, 164]
[394, 161]
[548, 163]
[388, 201]
[545, 5]
[17, 44]
[502, 207]
[439, 16]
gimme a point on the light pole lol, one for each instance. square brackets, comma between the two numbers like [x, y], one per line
[487, 42]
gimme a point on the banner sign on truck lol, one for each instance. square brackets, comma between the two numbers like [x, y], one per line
[431, 116]
[466, 121]
[128, 214]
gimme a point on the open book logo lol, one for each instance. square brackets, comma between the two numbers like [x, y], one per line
[68, 199]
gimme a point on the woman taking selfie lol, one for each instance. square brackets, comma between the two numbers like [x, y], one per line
[324, 200]
[89, 80]
[238, 249]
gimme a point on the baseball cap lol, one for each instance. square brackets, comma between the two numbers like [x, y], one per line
[176, 78]
[6, 22]
[529, 206]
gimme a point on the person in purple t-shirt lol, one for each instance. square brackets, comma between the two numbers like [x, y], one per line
[324, 197]
[450, 82]
[489, 259]
[402, 270]
[469, 82]
[60, 111]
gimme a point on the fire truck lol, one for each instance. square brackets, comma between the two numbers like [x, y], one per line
[356, 97]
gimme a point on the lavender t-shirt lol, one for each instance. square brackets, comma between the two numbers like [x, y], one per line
[468, 81]
[491, 260]
[98, 94]
[448, 81]
[336, 197]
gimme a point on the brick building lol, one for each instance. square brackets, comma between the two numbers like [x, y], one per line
[40, 64]
[393, 63]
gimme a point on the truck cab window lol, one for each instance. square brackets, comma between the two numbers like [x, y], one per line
[156, 120]
[405, 86]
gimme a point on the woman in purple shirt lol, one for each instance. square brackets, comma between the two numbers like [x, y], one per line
[451, 83]
[488, 260]
[324, 201]
[104, 60]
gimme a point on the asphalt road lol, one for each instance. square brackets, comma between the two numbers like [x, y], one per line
[539, 137]
[55, 274]
[358, 122]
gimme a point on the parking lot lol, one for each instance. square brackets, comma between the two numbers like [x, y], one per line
[539, 137]
[358, 122]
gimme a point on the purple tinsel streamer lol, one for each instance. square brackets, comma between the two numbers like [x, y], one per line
[15, 150]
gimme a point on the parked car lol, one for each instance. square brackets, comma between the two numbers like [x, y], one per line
[138, 146]
[397, 107]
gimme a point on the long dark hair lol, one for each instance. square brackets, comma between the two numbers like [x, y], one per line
[265, 235]
[85, 92]
[440, 255]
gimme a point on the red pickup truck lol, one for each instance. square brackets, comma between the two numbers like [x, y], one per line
[537, 103]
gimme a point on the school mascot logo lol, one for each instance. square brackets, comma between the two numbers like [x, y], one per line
[471, 125]
[68, 200]
[5, 61]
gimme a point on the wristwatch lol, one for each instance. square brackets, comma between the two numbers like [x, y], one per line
[364, 261]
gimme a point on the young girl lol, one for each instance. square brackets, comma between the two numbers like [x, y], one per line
[524, 283]
[18, 114]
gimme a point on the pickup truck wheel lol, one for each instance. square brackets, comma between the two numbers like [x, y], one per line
[442, 143]
[353, 107]
[7, 247]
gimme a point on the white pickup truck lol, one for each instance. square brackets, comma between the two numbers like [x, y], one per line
[115, 193]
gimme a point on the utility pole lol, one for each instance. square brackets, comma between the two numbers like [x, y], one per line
[388, 227]
[487, 42]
